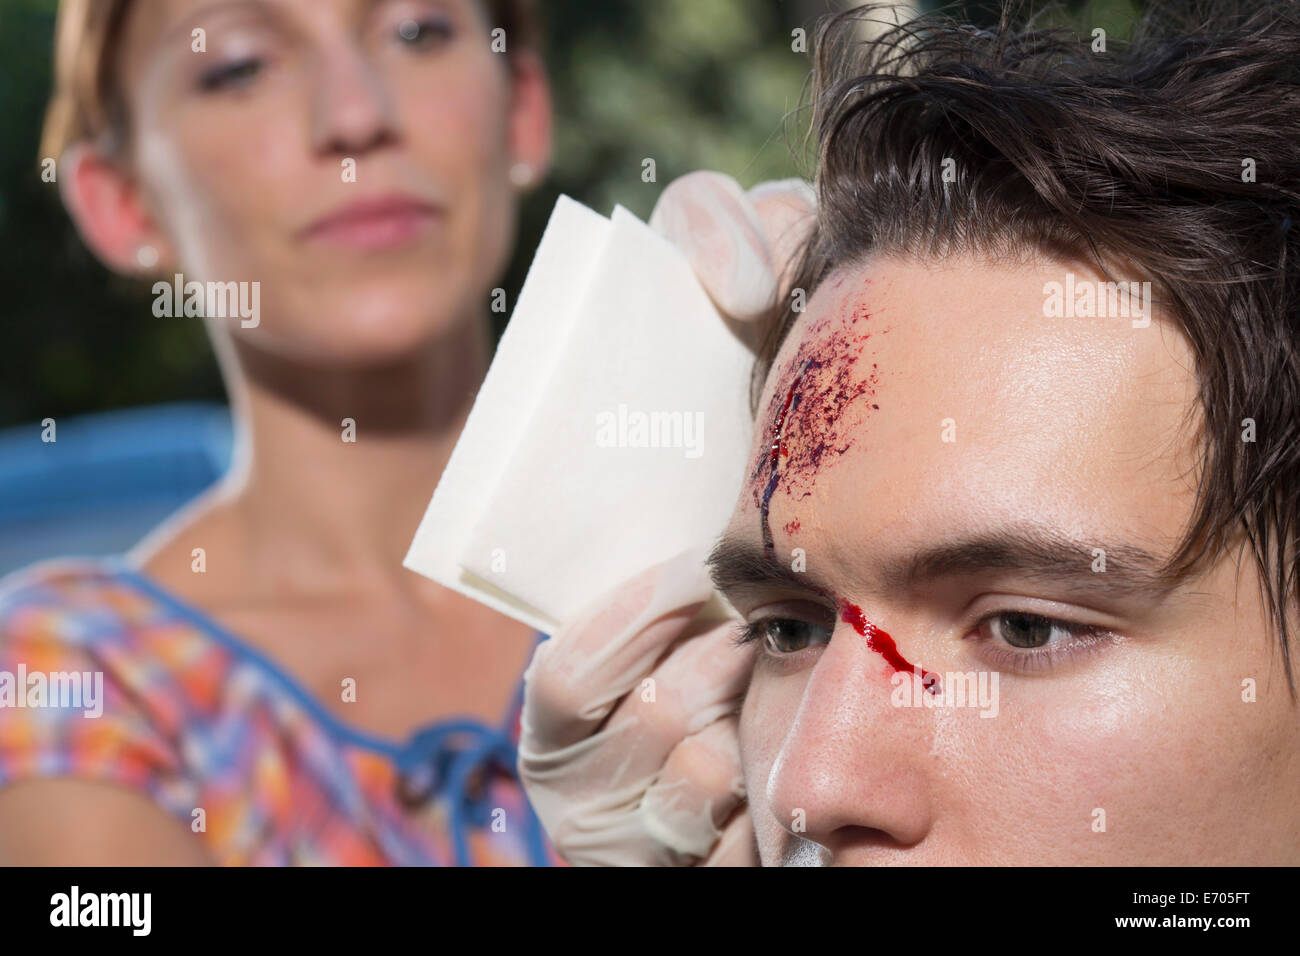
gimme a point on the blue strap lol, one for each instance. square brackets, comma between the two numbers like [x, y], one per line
[446, 756]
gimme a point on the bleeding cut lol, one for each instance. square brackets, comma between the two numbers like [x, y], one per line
[809, 428]
[880, 642]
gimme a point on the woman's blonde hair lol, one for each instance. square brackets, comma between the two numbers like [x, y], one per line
[86, 105]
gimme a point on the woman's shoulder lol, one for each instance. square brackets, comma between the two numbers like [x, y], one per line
[59, 598]
[88, 615]
[83, 606]
[78, 694]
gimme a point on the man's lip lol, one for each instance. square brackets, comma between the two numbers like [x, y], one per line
[374, 222]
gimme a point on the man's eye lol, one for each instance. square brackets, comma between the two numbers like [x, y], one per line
[1023, 643]
[1029, 631]
[785, 635]
[231, 75]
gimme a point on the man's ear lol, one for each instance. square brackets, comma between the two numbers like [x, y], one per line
[109, 213]
[530, 113]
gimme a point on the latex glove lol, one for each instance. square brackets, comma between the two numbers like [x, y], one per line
[629, 749]
[741, 244]
[628, 746]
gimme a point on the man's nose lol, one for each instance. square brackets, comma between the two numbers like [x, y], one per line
[854, 769]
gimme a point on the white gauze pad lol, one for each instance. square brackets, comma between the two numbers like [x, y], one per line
[611, 432]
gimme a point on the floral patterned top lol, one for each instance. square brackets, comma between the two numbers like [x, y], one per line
[220, 737]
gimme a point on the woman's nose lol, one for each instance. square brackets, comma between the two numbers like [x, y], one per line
[352, 110]
[854, 769]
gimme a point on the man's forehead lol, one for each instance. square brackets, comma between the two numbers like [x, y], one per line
[946, 390]
[972, 313]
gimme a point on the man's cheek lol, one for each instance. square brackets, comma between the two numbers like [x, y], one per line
[756, 756]
[754, 762]
[1105, 764]
[769, 711]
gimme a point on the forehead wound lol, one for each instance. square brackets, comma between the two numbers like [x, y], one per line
[820, 394]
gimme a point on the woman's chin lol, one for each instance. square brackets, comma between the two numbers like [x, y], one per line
[355, 340]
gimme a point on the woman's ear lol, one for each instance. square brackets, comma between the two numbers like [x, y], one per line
[107, 208]
[530, 118]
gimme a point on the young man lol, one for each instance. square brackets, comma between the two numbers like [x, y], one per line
[1017, 546]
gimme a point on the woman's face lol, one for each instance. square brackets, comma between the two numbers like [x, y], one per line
[972, 488]
[351, 156]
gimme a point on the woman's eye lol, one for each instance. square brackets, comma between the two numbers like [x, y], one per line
[1029, 631]
[231, 75]
[426, 33]
[785, 635]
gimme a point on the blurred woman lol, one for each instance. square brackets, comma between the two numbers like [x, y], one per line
[277, 689]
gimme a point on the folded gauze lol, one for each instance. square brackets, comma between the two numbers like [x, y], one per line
[611, 432]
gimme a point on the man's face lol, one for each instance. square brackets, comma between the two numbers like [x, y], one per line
[958, 483]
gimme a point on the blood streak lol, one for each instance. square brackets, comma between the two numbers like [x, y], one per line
[776, 450]
[884, 645]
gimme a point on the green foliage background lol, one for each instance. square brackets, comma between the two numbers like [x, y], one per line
[695, 84]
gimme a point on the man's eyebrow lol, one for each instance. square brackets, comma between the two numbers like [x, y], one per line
[737, 563]
[1038, 552]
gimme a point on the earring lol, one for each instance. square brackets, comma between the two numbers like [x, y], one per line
[521, 175]
[146, 256]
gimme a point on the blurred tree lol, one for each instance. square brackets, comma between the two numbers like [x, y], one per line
[74, 337]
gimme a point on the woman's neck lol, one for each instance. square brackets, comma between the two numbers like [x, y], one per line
[313, 503]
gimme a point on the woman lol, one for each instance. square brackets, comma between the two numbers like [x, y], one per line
[277, 689]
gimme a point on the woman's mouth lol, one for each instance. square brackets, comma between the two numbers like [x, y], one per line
[374, 223]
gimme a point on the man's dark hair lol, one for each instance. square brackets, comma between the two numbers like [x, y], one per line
[1137, 155]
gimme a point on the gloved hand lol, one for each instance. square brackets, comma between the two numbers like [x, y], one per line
[629, 749]
[628, 746]
[741, 245]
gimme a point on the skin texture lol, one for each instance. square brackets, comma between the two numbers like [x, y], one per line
[1080, 426]
[304, 538]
